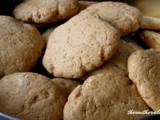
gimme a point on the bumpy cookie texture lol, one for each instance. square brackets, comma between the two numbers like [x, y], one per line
[118, 63]
[151, 23]
[151, 38]
[45, 11]
[31, 96]
[120, 15]
[104, 97]
[144, 71]
[66, 85]
[21, 46]
[79, 46]
[84, 4]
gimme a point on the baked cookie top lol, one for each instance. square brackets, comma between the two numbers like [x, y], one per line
[150, 23]
[122, 16]
[80, 45]
[66, 85]
[118, 63]
[104, 96]
[31, 96]
[150, 38]
[21, 46]
[45, 11]
[144, 71]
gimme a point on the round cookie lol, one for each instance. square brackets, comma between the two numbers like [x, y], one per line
[122, 16]
[118, 63]
[21, 46]
[104, 96]
[150, 23]
[150, 38]
[80, 45]
[31, 96]
[144, 71]
[45, 11]
[66, 85]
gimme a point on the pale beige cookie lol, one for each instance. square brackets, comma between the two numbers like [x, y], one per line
[144, 71]
[104, 97]
[118, 63]
[31, 96]
[66, 85]
[84, 4]
[80, 45]
[150, 23]
[47, 33]
[151, 38]
[122, 16]
[21, 46]
[45, 11]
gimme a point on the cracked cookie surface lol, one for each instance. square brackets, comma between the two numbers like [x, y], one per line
[144, 71]
[104, 96]
[124, 17]
[45, 11]
[31, 96]
[21, 46]
[79, 46]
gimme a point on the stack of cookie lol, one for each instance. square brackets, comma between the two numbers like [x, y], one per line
[94, 56]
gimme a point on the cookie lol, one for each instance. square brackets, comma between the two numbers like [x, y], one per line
[122, 16]
[144, 67]
[66, 85]
[150, 23]
[31, 96]
[118, 63]
[45, 11]
[20, 48]
[104, 97]
[80, 45]
[47, 33]
[150, 38]
[84, 4]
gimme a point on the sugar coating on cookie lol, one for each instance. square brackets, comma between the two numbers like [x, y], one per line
[66, 85]
[21, 46]
[79, 46]
[122, 16]
[31, 96]
[144, 71]
[118, 63]
[45, 11]
[104, 96]
[150, 38]
[150, 23]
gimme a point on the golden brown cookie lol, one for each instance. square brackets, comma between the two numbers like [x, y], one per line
[66, 85]
[144, 71]
[104, 97]
[31, 96]
[151, 38]
[80, 45]
[122, 16]
[118, 63]
[20, 48]
[150, 23]
[45, 11]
